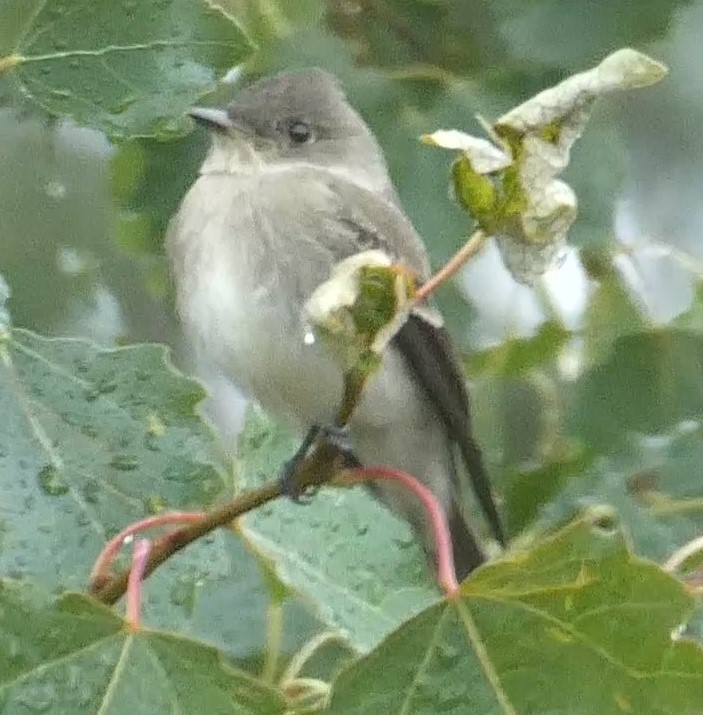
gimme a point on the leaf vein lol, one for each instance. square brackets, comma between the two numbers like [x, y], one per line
[109, 49]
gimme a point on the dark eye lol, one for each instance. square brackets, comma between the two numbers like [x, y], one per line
[299, 131]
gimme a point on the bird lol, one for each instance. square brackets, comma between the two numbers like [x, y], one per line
[293, 183]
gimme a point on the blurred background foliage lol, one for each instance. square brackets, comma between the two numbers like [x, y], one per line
[587, 389]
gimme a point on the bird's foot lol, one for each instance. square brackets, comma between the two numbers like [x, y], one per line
[301, 486]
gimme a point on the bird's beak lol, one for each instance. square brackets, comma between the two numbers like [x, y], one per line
[212, 118]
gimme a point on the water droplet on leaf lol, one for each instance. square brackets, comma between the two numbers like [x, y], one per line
[89, 431]
[51, 482]
[124, 462]
[91, 394]
[182, 593]
[124, 105]
[106, 387]
[91, 491]
[81, 366]
[55, 190]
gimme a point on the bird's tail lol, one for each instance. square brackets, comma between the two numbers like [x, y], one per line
[468, 555]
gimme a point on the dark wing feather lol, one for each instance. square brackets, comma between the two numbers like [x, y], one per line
[428, 353]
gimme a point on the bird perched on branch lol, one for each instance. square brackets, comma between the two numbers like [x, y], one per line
[295, 182]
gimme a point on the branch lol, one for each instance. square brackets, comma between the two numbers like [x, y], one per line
[134, 583]
[100, 573]
[324, 462]
[172, 543]
[467, 251]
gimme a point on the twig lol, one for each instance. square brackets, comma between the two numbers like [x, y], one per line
[274, 640]
[682, 555]
[170, 544]
[134, 583]
[446, 572]
[297, 662]
[307, 695]
[101, 570]
[468, 250]
[110, 589]
[665, 506]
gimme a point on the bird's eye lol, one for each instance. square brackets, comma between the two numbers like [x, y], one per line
[299, 131]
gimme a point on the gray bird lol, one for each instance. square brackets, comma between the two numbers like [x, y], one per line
[293, 183]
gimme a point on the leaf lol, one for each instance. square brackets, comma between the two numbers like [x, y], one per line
[268, 22]
[515, 195]
[149, 179]
[486, 157]
[610, 315]
[92, 440]
[653, 482]
[75, 656]
[350, 558]
[574, 625]
[649, 383]
[402, 34]
[358, 309]
[130, 68]
[530, 491]
[515, 357]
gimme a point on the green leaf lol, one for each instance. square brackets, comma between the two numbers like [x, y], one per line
[90, 441]
[521, 202]
[130, 68]
[653, 483]
[574, 625]
[611, 312]
[75, 656]
[515, 357]
[529, 490]
[358, 565]
[149, 179]
[268, 22]
[402, 34]
[650, 383]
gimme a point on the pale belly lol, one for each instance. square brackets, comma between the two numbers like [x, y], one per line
[257, 339]
[260, 344]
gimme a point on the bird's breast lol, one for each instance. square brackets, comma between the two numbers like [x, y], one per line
[238, 265]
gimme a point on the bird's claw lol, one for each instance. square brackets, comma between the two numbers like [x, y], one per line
[335, 435]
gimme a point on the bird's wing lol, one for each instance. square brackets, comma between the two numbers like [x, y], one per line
[428, 353]
[426, 348]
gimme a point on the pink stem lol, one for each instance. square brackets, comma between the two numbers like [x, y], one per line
[102, 564]
[446, 573]
[468, 250]
[141, 552]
